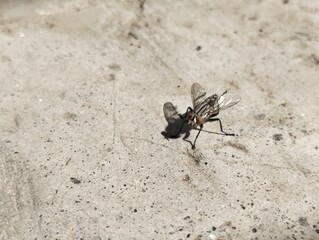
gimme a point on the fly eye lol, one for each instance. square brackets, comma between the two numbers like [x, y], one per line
[199, 120]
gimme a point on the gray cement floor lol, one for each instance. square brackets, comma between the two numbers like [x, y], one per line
[83, 85]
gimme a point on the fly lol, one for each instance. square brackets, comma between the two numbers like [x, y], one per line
[205, 109]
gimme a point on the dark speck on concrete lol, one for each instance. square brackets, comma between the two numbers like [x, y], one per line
[199, 237]
[254, 230]
[260, 116]
[303, 221]
[277, 137]
[75, 180]
[186, 178]
[198, 48]
[214, 228]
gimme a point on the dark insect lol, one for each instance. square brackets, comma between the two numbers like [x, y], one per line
[205, 109]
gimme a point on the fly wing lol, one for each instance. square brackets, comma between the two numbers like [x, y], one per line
[224, 103]
[198, 94]
[170, 112]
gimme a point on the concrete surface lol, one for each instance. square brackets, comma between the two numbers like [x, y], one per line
[83, 85]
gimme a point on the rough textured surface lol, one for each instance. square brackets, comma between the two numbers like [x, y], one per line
[83, 85]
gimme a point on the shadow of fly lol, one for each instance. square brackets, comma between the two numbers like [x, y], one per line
[205, 109]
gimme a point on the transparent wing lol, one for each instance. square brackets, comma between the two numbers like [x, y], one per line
[170, 112]
[198, 94]
[224, 103]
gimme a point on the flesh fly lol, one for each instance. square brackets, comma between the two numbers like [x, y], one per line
[205, 109]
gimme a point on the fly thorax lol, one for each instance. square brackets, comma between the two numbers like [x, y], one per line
[205, 115]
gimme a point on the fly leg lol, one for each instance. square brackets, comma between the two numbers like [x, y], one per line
[221, 126]
[201, 127]
[189, 109]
